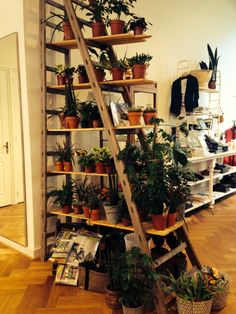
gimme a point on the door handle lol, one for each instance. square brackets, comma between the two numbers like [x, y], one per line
[7, 147]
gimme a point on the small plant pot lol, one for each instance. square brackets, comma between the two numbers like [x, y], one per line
[100, 167]
[171, 220]
[97, 123]
[95, 214]
[113, 213]
[62, 119]
[212, 84]
[136, 310]
[112, 299]
[87, 212]
[72, 122]
[98, 29]
[139, 71]
[159, 221]
[89, 169]
[66, 209]
[138, 30]
[147, 116]
[77, 209]
[117, 74]
[191, 307]
[134, 117]
[67, 166]
[100, 74]
[60, 79]
[59, 165]
[117, 27]
[68, 32]
[83, 79]
[126, 222]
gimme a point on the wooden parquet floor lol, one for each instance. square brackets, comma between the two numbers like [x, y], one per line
[26, 286]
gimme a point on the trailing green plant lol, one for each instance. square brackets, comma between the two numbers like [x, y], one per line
[119, 8]
[137, 21]
[64, 196]
[213, 62]
[101, 154]
[141, 58]
[137, 278]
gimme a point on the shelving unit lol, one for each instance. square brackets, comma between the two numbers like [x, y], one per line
[64, 47]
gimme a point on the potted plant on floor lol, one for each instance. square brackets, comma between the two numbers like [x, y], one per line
[101, 156]
[82, 74]
[113, 206]
[58, 156]
[138, 25]
[63, 197]
[97, 16]
[139, 64]
[119, 8]
[134, 115]
[149, 113]
[88, 161]
[137, 279]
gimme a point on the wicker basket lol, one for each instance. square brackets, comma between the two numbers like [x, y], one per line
[220, 299]
[189, 307]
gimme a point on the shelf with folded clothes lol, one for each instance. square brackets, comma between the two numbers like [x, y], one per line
[196, 204]
[218, 195]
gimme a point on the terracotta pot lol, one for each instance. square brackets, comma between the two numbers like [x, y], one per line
[59, 165]
[72, 122]
[139, 71]
[171, 220]
[126, 221]
[87, 213]
[97, 123]
[112, 299]
[147, 116]
[83, 79]
[95, 214]
[98, 29]
[62, 119]
[159, 222]
[77, 209]
[117, 74]
[134, 117]
[212, 84]
[138, 30]
[68, 32]
[66, 209]
[100, 168]
[100, 74]
[89, 169]
[67, 166]
[60, 79]
[117, 27]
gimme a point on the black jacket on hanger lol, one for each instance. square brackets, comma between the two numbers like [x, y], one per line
[190, 98]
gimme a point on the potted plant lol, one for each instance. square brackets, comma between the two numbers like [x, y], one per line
[148, 113]
[118, 68]
[88, 161]
[138, 25]
[101, 155]
[213, 64]
[58, 156]
[64, 74]
[94, 203]
[80, 193]
[113, 205]
[119, 7]
[68, 157]
[126, 220]
[84, 112]
[64, 23]
[71, 108]
[64, 197]
[137, 279]
[139, 64]
[97, 16]
[77, 154]
[134, 115]
[82, 74]
[109, 165]
[95, 116]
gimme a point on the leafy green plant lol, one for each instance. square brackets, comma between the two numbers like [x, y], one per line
[81, 189]
[139, 59]
[120, 7]
[137, 21]
[149, 108]
[81, 70]
[71, 102]
[63, 196]
[87, 160]
[135, 109]
[137, 278]
[93, 197]
[213, 62]
[84, 110]
[58, 151]
[68, 152]
[113, 192]
[99, 11]
[114, 268]
[64, 71]
[101, 154]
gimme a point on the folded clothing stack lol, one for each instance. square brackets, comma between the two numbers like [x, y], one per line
[230, 179]
[223, 168]
[221, 187]
[214, 146]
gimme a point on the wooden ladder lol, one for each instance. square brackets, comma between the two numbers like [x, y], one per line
[114, 147]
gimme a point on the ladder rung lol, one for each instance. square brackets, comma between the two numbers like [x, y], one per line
[55, 91]
[50, 69]
[53, 25]
[57, 48]
[83, 5]
[55, 4]
[169, 255]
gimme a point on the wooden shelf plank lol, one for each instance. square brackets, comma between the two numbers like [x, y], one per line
[110, 83]
[120, 39]
[94, 174]
[131, 127]
[103, 222]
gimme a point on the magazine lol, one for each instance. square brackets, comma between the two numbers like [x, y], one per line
[67, 275]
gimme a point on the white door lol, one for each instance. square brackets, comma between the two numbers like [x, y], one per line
[5, 145]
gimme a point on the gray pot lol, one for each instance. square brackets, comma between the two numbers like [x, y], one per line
[113, 213]
[129, 310]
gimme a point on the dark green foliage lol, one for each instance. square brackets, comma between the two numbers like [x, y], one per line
[113, 189]
[141, 58]
[71, 103]
[120, 7]
[63, 196]
[87, 160]
[137, 21]
[98, 12]
[213, 62]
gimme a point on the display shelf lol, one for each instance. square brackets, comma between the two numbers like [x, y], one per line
[212, 156]
[221, 175]
[119, 83]
[93, 174]
[130, 127]
[196, 205]
[120, 39]
[103, 222]
[218, 195]
[191, 183]
[208, 90]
